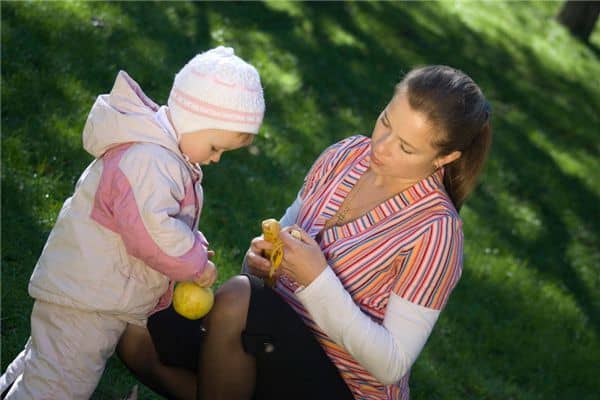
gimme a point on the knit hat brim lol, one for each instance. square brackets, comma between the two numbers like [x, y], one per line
[184, 107]
[217, 90]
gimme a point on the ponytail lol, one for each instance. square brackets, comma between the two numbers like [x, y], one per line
[460, 176]
[455, 105]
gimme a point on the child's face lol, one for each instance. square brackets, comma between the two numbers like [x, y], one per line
[207, 146]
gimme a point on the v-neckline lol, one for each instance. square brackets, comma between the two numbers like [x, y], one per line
[392, 205]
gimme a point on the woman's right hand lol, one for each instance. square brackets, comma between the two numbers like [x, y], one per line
[255, 261]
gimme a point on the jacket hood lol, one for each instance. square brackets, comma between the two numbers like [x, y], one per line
[126, 115]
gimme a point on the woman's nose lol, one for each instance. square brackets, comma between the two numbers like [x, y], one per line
[216, 157]
[381, 144]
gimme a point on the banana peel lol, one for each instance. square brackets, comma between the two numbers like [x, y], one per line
[270, 230]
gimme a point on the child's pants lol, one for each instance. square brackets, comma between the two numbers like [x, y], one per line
[65, 356]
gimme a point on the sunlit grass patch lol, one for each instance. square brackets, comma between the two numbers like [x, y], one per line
[523, 322]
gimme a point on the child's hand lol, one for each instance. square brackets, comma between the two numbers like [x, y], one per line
[208, 277]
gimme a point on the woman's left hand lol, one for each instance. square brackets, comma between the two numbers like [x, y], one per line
[303, 259]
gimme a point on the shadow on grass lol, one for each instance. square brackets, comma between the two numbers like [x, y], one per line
[521, 362]
[19, 224]
[543, 95]
[347, 57]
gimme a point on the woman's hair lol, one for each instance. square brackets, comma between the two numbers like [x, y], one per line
[455, 105]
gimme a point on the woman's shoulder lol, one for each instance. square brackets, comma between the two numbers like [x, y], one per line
[427, 207]
[336, 158]
[430, 197]
[352, 143]
[347, 149]
[438, 209]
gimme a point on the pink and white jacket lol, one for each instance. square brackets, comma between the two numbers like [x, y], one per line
[128, 231]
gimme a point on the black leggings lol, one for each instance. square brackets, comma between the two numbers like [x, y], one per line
[290, 362]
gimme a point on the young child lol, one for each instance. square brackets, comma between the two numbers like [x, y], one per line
[128, 232]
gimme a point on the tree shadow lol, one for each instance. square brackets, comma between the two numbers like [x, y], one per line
[533, 89]
[484, 369]
[595, 48]
[325, 69]
[347, 58]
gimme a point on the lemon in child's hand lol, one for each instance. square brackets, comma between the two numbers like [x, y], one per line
[191, 300]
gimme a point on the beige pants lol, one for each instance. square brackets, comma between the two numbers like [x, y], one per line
[65, 356]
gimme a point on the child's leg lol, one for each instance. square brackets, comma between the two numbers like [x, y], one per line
[68, 352]
[14, 369]
[138, 353]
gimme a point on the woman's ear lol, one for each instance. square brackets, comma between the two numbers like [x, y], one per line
[447, 159]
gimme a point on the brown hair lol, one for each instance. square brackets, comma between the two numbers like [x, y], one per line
[455, 105]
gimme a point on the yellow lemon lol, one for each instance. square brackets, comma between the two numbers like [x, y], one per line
[191, 300]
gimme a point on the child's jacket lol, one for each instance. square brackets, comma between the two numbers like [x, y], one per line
[128, 230]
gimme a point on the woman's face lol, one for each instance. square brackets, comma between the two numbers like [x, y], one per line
[401, 146]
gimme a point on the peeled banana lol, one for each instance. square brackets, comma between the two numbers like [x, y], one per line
[270, 230]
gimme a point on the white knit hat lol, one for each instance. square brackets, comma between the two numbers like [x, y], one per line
[217, 89]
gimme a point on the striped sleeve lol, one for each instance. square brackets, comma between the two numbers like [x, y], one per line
[431, 264]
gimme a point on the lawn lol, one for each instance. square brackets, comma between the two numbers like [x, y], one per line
[523, 323]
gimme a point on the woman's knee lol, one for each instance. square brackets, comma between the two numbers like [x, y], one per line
[136, 350]
[231, 300]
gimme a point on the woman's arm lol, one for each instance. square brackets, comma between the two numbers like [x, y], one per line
[387, 351]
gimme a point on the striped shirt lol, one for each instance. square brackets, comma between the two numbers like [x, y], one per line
[410, 245]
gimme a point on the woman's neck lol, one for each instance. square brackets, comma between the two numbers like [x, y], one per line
[388, 184]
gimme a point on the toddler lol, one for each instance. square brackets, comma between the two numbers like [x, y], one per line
[128, 232]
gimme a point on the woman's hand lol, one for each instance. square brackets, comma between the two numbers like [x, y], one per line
[255, 261]
[303, 259]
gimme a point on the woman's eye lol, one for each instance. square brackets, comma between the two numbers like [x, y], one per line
[404, 149]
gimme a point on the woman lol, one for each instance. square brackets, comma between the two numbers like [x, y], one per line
[358, 295]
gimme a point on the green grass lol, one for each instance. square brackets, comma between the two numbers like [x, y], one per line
[525, 319]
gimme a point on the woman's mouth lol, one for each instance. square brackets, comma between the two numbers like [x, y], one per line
[375, 160]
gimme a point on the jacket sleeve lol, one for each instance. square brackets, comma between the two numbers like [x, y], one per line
[148, 198]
